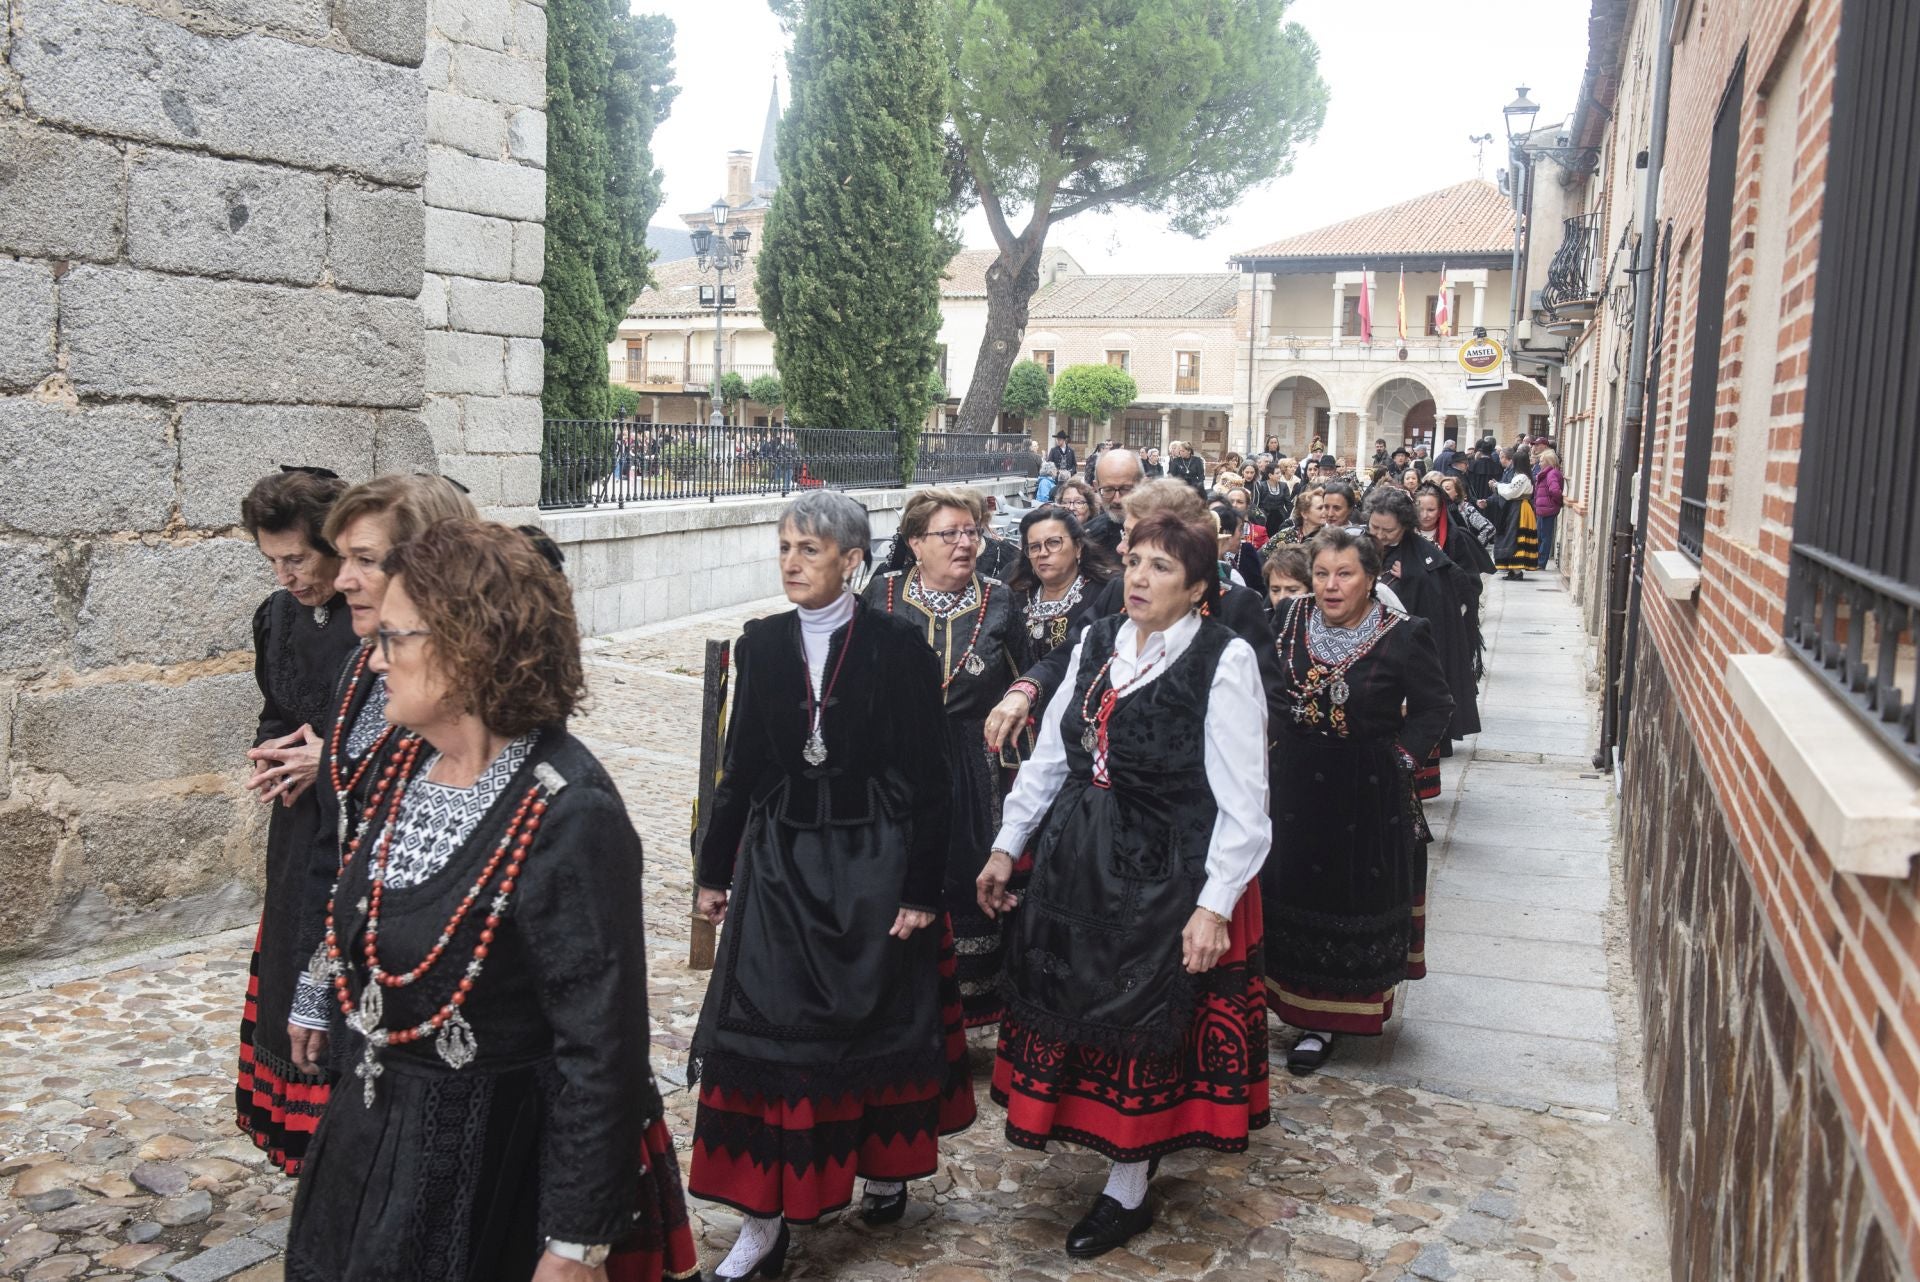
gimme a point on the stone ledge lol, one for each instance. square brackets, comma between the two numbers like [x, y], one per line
[1676, 574]
[1861, 802]
[652, 518]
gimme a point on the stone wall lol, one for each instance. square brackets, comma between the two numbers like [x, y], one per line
[1765, 1178]
[657, 561]
[215, 222]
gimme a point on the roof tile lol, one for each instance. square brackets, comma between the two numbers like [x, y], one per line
[1467, 218]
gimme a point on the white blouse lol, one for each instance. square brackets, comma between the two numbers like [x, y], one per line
[1236, 756]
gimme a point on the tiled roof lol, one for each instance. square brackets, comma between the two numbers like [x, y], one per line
[676, 291]
[1207, 296]
[669, 243]
[1467, 218]
[966, 274]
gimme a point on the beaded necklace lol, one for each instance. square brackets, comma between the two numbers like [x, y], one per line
[453, 1037]
[341, 787]
[972, 662]
[1326, 675]
[1094, 736]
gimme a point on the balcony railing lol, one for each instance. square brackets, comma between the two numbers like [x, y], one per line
[702, 375]
[683, 374]
[1570, 276]
[1325, 344]
[592, 463]
[1855, 629]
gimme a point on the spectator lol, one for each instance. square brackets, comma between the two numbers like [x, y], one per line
[1549, 496]
[1064, 461]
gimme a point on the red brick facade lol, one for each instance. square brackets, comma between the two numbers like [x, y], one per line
[1848, 946]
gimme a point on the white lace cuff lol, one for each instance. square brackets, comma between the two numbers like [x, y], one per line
[310, 1008]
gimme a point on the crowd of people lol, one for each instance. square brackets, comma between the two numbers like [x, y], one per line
[1119, 788]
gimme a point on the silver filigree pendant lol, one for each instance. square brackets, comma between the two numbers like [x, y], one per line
[368, 1070]
[373, 1003]
[975, 665]
[816, 750]
[456, 1042]
[321, 613]
[1088, 739]
[343, 825]
[1036, 629]
[1339, 692]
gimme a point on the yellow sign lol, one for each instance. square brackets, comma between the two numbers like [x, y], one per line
[1481, 355]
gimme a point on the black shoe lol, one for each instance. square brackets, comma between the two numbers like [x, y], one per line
[877, 1209]
[1106, 1226]
[772, 1264]
[1309, 1053]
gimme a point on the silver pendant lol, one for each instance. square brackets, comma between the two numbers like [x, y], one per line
[343, 825]
[321, 614]
[1339, 691]
[456, 1042]
[816, 750]
[367, 1070]
[1036, 629]
[975, 665]
[373, 1004]
[1088, 739]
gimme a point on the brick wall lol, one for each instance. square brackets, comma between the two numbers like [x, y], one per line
[213, 227]
[1847, 948]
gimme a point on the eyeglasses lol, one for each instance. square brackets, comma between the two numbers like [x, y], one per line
[387, 636]
[961, 534]
[1117, 491]
[1048, 545]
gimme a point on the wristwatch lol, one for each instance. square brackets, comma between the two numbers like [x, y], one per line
[591, 1256]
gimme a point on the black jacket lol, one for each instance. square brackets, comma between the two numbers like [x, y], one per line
[1064, 459]
[1192, 470]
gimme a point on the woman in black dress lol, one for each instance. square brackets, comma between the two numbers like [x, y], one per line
[1135, 1024]
[968, 621]
[363, 526]
[301, 634]
[830, 1043]
[1055, 582]
[1366, 699]
[1434, 588]
[486, 946]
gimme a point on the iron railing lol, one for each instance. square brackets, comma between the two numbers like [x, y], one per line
[1570, 274]
[1856, 629]
[594, 463]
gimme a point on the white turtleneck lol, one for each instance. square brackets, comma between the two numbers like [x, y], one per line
[816, 634]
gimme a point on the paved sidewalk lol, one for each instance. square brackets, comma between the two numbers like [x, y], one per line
[1517, 1005]
[118, 1161]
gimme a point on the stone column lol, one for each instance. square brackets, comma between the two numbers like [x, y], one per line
[1166, 434]
[486, 195]
[1479, 303]
[1339, 309]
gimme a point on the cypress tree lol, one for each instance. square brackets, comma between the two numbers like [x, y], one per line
[609, 82]
[849, 271]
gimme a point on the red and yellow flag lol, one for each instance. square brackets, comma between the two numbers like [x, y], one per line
[1402, 305]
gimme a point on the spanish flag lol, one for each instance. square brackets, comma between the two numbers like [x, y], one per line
[1366, 307]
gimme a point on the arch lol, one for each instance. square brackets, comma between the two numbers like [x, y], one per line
[1297, 406]
[1398, 375]
[1401, 409]
[1504, 412]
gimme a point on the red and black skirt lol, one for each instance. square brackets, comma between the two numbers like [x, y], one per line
[276, 1106]
[767, 1155]
[1130, 1107]
[662, 1246]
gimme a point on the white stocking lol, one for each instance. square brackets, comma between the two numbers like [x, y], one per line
[758, 1233]
[885, 1188]
[1127, 1185]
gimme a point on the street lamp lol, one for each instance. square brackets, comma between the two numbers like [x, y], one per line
[722, 253]
[1519, 115]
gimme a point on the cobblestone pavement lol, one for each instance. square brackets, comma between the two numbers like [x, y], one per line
[118, 1158]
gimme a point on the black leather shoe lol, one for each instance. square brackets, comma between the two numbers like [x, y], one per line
[772, 1264]
[1106, 1226]
[1309, 1053]
[877, 1209]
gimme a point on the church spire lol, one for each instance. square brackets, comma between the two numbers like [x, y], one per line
[766, 175]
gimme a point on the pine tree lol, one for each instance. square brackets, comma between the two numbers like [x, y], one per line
[849, 271]
[609, 82]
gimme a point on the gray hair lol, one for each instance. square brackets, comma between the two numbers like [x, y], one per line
[829, 514]
[1048, 469]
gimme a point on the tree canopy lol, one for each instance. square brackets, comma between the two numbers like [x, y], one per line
[609, 83]
[1027, 389]
[849, 273]
[1178, 107]
[1096, 392]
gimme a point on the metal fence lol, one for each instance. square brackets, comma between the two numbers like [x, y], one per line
[591, 463]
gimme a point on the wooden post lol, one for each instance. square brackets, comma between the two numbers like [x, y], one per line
[713, 712]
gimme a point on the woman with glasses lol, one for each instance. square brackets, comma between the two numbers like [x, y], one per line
[830, 1043]
[486, 950]
[301, 634]
[1058, 577]
[363, 525]
[968, 619]
[1078, 498]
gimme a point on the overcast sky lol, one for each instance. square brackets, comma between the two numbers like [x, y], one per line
[1409, 82]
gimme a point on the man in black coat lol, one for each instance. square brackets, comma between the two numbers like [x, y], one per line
[1062, 456]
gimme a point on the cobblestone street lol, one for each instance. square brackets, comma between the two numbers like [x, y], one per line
[118, 1157]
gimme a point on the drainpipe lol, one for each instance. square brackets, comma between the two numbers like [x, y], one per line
[1627, 538]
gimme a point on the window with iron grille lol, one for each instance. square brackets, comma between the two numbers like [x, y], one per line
[1142, 433]
[1853, 579]
[1120, 359]
[1716, 236]
[1045, 360]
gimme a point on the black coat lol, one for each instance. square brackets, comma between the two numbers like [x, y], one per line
[463, 1173]
[1064, 459]
[1192, 470]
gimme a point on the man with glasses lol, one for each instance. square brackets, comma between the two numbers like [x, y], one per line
[1117, 474]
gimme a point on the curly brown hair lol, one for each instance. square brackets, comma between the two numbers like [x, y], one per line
[501, 619]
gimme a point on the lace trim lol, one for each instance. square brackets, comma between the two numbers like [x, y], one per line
[1038, 611]
[310, 1005]
[370, 720]
[1329, 644]
[942, 605]
[436, 820]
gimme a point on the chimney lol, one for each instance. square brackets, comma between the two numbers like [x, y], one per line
[739, 178]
